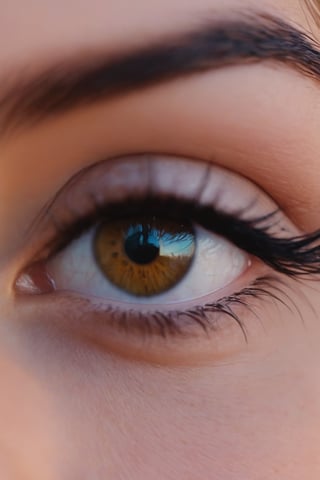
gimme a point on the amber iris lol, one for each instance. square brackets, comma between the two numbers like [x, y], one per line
[144, 256]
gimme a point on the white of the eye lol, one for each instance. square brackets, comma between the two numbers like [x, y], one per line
[217, 263]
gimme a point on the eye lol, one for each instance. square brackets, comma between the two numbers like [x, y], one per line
[161, 245]
[147, 260]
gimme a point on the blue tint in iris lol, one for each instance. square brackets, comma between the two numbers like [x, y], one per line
[144, 243]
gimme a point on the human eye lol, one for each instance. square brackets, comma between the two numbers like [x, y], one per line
[167, 248]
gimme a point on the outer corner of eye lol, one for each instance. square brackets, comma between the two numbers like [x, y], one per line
[35, 280]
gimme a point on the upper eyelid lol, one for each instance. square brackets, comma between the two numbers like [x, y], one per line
[85, 185]
[145, 182]
[301, 258]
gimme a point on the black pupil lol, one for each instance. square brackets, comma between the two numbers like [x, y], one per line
[142, 246]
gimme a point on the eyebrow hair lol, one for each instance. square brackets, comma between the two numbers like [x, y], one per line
[83, 81]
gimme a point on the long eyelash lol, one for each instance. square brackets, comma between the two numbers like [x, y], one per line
[164, 324]
[295, 256]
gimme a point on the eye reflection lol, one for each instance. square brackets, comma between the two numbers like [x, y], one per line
[144, 256]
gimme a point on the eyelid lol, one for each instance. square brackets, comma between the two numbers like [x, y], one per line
[115, 179]
[119, 179]
[214, 193]
[226, 331]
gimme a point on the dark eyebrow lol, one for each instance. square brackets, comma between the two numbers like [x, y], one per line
[219, 43]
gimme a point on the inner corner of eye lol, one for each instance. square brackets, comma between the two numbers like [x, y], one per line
[34, 280]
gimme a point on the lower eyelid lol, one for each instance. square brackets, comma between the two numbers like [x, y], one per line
[95, 325]
[141, 337]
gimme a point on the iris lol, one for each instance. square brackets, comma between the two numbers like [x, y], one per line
[144, 256]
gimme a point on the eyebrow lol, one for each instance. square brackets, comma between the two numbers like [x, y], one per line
[84, 80]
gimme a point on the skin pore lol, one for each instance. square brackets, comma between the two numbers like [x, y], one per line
[79, 401]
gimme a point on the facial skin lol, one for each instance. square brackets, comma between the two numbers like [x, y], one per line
[75, 407]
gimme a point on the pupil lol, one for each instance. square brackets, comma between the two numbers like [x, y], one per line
[142, 245]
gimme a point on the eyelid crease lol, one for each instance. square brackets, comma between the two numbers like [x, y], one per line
[144, 174]
[216, 199]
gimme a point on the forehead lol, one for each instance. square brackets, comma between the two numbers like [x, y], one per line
[33, 29]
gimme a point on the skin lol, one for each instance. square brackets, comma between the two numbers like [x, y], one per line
[72, 408]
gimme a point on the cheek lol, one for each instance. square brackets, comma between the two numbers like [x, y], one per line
[28, 434]
[255, 416]
[245, 421]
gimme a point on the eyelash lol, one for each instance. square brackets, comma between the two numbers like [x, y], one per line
[294, 257]
[169, 323]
